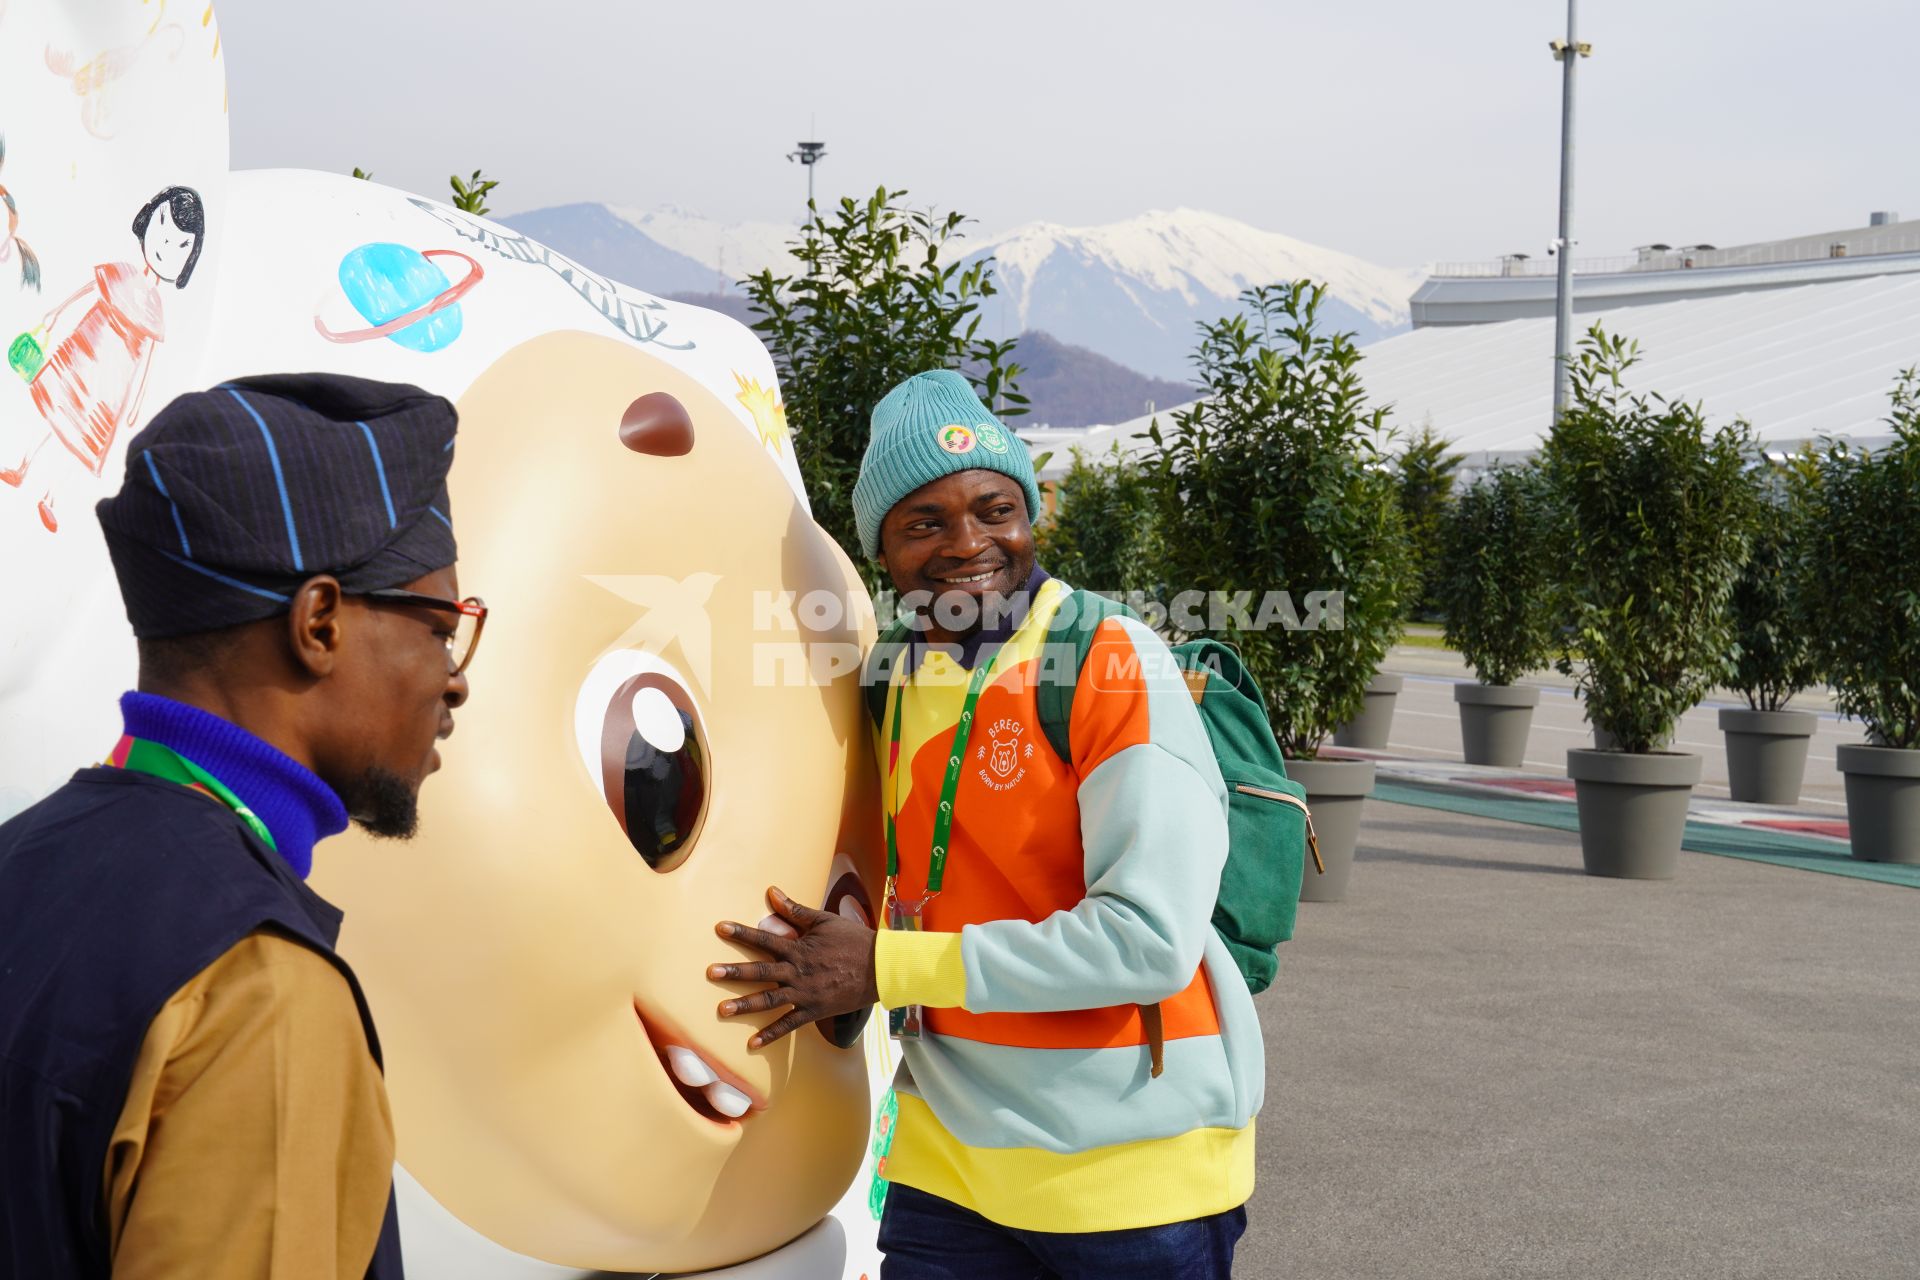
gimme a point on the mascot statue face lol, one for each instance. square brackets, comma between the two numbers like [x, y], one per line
[647, 748]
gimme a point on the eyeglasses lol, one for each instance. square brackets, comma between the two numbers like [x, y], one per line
[466, 628]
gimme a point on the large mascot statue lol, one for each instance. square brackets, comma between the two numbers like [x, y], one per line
[665, 717]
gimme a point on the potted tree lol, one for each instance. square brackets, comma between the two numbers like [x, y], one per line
[1423, 471]
[1858, 555]
[1773, 660]
[1652, 515]
[1496, 587]
[1423, 480]
[1272, 500]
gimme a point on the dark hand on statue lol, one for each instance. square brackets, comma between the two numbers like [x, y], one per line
[824, 972]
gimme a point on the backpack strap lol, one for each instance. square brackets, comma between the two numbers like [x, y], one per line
[1071, 631]
[876, 677]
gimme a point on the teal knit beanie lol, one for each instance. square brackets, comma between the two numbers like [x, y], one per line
[930, 426]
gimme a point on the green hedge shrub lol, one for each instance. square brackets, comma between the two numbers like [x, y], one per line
[1495, 575]
[1857, 567]
[1654, 515]
[1274, 482]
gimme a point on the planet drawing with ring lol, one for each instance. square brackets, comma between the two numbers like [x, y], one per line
[403, 295]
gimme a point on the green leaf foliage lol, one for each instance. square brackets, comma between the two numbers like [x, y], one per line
[1856, 565]
[1772, 634]
[470, 196]
[1654, 515]
[881, 296]
[1103, 532]
[1423, 470]
[362, 174]
[1275, 482]
[1496, 574]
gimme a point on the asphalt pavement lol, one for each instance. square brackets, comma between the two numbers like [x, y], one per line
[1487, 1064]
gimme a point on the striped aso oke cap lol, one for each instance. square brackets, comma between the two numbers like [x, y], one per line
[235, 496]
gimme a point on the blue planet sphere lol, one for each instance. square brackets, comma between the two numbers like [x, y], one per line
[386, 281]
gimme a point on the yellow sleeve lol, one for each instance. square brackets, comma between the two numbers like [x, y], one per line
[917, 967]
[255, 1140]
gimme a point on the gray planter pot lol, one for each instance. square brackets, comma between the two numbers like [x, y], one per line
[1335, 789]
[1633, 810]
[1494, 719]
[1368, 731]
[1767, 753]
[1883, 801]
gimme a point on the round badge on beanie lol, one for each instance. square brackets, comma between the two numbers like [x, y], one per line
[931, 426]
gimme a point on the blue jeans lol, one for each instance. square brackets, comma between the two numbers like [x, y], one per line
[927, 1238]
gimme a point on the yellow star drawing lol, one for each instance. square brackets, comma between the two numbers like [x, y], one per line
[769, 413]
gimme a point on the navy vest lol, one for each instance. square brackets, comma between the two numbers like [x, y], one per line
[114, 892]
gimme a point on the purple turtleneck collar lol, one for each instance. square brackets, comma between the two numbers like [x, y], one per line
[968, 651]
[297, 807]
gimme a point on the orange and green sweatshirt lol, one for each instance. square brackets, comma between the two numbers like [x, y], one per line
[1076, 892]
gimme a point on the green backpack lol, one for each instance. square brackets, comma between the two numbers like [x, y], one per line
[1269, 831]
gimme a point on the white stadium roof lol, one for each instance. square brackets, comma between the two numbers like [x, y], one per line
[1798, 363]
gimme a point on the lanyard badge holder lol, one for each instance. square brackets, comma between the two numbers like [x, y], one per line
[907, 1021]
[904, 1023]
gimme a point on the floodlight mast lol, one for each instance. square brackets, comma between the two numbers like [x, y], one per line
[809, 155]
[1567, 53]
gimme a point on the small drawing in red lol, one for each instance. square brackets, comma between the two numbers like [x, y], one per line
[88, 384]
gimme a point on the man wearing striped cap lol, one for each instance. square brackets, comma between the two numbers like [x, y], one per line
[190, 1083]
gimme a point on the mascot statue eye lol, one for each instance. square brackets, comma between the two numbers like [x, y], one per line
[640, 737]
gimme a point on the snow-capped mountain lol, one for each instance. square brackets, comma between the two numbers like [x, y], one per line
[596, 237]
[1131, 290]
[1134, 290]
[737, 249]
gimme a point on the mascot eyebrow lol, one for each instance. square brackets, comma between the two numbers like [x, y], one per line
[658, 425]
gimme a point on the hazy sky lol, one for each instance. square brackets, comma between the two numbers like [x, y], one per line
[1401, 130]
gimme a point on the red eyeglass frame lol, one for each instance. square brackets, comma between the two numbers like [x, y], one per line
[473, 607]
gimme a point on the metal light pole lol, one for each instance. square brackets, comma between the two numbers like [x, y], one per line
[1567, 53]
[809, 155]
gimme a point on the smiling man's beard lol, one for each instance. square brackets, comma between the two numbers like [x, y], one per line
[384, 804]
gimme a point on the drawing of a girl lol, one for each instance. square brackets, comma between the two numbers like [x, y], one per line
[90, 384]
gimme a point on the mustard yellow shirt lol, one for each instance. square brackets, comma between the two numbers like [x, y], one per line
[255, 1141]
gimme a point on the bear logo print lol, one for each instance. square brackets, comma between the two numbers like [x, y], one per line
[1005, 754]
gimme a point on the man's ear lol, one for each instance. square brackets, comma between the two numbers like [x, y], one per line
[315, 625]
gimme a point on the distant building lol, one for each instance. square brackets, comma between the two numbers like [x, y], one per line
[1803, 338]
[1519, 287]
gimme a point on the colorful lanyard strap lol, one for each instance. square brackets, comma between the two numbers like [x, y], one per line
[949, 786]
[142, 756]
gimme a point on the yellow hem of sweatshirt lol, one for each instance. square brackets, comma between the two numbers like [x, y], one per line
[1131, 1184]
[910, 967]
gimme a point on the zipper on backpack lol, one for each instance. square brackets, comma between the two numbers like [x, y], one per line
[1313, 840]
